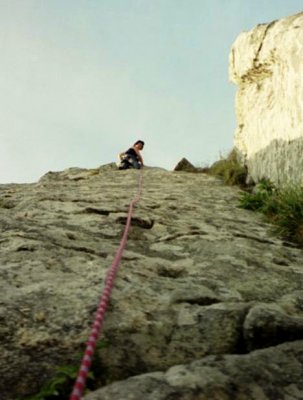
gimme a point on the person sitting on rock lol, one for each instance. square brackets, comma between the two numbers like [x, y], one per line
[132, 157]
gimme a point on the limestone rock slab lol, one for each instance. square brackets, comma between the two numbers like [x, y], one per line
[194, 274]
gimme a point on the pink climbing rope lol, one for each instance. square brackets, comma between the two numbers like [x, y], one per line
[96, 329]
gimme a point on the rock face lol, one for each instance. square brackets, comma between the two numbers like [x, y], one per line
[206, 305]
[230, 377]
[266, 63]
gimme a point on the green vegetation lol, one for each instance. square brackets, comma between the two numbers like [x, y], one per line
[282, 206]
[59, 387]
[260, 198]
[230, 170]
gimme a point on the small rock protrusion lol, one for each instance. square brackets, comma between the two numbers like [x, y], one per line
[185, 165]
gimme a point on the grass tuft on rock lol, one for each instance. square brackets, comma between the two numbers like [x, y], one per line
[282, 206]
[62, 382]
[230, 170]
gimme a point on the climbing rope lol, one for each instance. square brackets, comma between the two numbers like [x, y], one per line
[96, 328]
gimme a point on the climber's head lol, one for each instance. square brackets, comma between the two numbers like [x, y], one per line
[139, 144]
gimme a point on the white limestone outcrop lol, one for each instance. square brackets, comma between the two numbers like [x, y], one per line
[267, 65]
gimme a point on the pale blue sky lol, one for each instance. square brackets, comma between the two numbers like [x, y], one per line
[81, 80]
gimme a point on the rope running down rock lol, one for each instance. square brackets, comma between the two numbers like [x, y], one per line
[96, 329]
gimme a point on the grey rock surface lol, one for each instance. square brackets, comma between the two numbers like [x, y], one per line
[200, 277]
[274, 373]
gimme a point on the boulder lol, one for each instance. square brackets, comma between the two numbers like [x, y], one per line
[185, 165]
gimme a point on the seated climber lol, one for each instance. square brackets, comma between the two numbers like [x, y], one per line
[132, 157]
